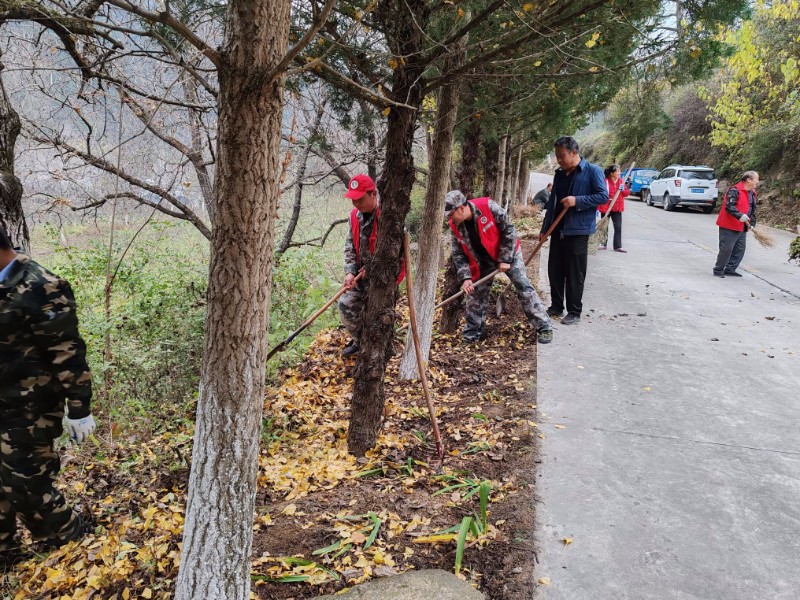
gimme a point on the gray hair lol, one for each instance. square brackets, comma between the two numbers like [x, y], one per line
[748, 175]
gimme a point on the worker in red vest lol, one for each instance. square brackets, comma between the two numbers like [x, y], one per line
[736, 217]
[484, 240]
[358, 252]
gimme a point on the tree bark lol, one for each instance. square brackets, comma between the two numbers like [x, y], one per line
[215, 559]
[404, 31]
[448, 322]
[470, 153]
[11, 215]
[427, 267]
[514, 191]
[501, 171]
[489, 160]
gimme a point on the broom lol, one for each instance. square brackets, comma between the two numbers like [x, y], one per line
[602, 225]
[763, 238]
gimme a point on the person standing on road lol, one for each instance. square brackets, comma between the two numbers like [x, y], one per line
[579, 188]
[614, 183]
[737, 216]
[540, 199]
[484, 240]
[42, 368]
[358, 252]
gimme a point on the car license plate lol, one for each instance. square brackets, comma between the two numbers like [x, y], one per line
[698, 190]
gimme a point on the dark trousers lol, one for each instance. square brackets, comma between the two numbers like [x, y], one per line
[566, 268]
[732, 245]
[28, 466]
[616, 219]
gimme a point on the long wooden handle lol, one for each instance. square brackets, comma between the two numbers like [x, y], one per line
[312, 318]
[412, 313]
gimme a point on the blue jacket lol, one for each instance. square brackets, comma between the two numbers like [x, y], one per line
[590, 191]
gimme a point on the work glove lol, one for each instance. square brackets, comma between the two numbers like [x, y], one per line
[745, 219]
[80, 429]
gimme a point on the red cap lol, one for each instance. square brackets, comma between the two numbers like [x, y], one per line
[358, 186]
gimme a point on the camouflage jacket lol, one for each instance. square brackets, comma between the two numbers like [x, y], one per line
[353, 263]
[42, 355]
[508, 240]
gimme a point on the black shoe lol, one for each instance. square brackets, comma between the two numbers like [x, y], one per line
[10, 557]
[733, 274]
[570, 319]
[351, 349]
[84, 527]
[552, 312]
[719, 274]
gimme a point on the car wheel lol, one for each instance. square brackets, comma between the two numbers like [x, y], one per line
[647, 198]
[667, 204]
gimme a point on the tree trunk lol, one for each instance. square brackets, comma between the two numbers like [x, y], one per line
[427, 267]
[514, 191]
[218, 534]
[11, 214]
[448, 323]
[405, 32]
[490, 150]
[301, 175]
[522, 182]
[501, 170]
[470, 151]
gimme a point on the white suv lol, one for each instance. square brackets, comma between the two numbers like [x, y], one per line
[682, 185]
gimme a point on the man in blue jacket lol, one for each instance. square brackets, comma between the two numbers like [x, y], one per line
[579, 187]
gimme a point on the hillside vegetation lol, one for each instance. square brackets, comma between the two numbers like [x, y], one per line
[745, 116]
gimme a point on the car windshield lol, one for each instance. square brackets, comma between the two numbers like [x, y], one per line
[645, 173]
[705, 175]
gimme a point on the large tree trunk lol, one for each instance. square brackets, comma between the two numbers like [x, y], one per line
[522, 182]
[501, 171]
[514, 191]
[403, 29]
[11, 215]
[215, 560]
[427, 267]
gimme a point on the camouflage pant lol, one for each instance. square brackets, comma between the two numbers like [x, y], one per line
[351, 310]
[28, 466]
[478, 301]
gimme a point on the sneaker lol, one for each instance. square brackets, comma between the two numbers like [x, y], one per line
[351, 349]
[621, 250]
[545, 336]
[732, 274]
[552, 312]
[602, 247]
[570, 319]
[719, 274]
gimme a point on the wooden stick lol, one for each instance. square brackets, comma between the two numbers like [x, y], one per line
[312, 318]
[412, 313]
[482, 280]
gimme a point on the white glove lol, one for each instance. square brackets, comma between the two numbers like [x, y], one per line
[744, 219]
[80, 429]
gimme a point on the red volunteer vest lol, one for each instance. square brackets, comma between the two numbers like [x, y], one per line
[726, 219]
[487, 232]
[355, 228]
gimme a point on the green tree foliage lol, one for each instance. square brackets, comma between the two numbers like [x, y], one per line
[754, 103]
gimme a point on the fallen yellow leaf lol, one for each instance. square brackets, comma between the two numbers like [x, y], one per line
[544, 581]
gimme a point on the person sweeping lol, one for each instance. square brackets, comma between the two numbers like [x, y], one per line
[615, 184]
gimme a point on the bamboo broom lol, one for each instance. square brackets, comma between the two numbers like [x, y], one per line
[763, 238]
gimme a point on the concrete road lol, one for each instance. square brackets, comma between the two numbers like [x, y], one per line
[671, 416]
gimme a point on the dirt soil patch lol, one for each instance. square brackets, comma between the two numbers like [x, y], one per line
[324, 520]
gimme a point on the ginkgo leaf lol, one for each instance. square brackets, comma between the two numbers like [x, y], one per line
[386, 111]
[544, 581]
[567, 541]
